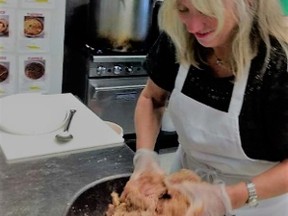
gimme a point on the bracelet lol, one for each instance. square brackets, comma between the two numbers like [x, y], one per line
[252, 200]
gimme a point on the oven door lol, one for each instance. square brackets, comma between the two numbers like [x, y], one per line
[114, 99]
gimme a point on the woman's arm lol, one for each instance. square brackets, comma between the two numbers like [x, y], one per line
[273, 182]
[148, 115]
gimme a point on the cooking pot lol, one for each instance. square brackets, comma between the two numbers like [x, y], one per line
[120, 25]
[93, 199]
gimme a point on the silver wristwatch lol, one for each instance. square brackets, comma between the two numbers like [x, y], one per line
[252, 200]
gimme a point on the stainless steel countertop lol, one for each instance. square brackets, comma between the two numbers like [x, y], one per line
[44, 187]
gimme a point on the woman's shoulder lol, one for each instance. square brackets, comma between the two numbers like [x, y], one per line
[265, 104]
[273, 65]
[161, 64]
[277, 62]
[277, 51]
[268, 76]
[162, 50]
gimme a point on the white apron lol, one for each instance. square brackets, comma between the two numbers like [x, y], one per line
[210, 144]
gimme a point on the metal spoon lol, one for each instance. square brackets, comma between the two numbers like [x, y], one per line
[65, 135]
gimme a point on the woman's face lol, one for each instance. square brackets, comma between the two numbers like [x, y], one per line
[204, 27]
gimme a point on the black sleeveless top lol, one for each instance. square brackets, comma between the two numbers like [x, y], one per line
[264, 115]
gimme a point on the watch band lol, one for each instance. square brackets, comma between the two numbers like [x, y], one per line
[252, 200]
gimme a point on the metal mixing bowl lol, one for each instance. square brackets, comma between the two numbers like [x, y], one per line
[93, 199]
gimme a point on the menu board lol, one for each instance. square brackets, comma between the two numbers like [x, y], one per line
[29, 43]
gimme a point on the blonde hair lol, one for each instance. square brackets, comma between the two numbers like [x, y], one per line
[266, 15]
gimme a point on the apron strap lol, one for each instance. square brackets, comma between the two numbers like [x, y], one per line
[182, 74]
[239, 92]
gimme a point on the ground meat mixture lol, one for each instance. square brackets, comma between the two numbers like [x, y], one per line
[152, 195]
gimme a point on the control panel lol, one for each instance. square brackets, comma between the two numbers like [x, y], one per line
[111, 66]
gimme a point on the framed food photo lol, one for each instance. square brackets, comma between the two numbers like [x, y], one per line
[34, 26]
[7, 30]
[34, 73]
[4, 26]
[34, 31]
[8, 76]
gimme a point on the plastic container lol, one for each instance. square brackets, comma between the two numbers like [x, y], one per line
[117, 128]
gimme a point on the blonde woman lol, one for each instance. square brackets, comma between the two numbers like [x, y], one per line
[223, 65]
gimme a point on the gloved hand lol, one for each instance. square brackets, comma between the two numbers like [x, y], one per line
[146, 182]
[205, 199]
[146, 160]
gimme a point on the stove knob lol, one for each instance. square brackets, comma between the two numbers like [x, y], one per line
[100, 70]
[129, 69]
[117, 69]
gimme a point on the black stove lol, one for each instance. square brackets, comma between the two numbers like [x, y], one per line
[165, 140]
[107, 64]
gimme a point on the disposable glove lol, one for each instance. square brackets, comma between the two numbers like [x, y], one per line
[144, 161]
[146, 182]
[205, 199]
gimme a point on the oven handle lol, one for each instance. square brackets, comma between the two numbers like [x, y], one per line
[113, 88]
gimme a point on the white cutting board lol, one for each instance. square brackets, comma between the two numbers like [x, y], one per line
[89, 131]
